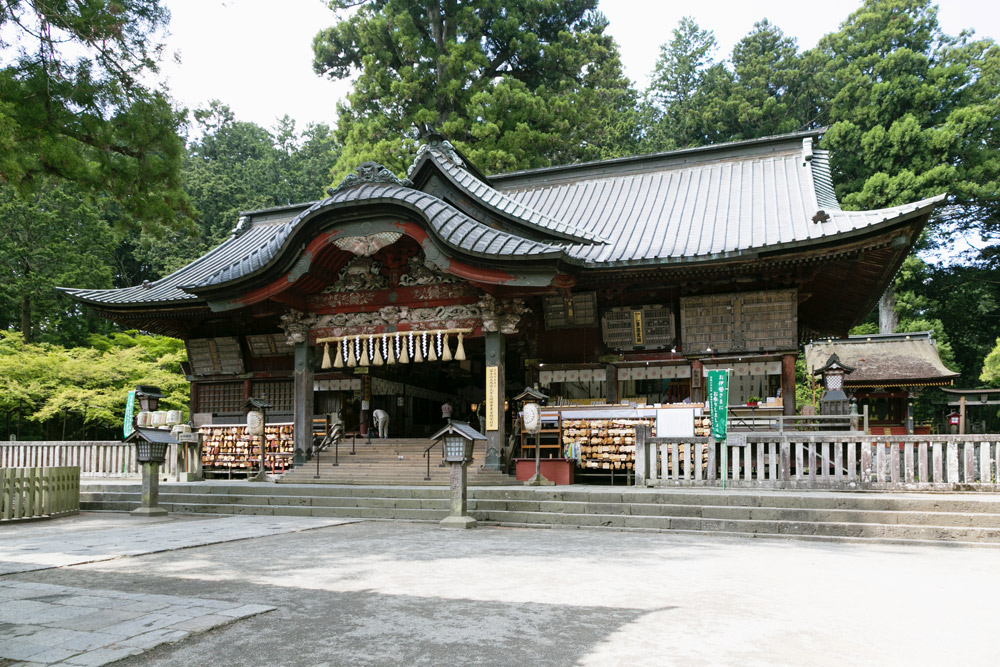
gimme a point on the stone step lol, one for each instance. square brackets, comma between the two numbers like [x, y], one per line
[822, 516]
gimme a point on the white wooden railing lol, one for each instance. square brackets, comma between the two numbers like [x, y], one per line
[31, 493]
[94, 459]
[827, 461]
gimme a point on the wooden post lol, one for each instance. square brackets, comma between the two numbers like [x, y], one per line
[909, 412]
[697, 382]
[496, 356]
[611, 384]
[788, 384]
[303, 402]
[961, 415]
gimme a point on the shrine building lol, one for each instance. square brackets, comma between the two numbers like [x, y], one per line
[611, 282]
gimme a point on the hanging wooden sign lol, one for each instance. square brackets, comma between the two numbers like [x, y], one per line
[492, 398]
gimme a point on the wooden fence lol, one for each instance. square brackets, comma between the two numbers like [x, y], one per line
[39, 492]
[827, 461]
[108, 459]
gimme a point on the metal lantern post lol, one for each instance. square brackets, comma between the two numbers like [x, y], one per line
[532, 400]
[458, 439]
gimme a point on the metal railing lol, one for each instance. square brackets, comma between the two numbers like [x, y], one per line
[427, 455]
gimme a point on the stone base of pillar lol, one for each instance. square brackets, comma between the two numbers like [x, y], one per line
[149, 512]
[538, 480]
[458, 522]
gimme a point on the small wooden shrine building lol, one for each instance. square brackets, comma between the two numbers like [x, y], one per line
[889, 372]
[619, 280]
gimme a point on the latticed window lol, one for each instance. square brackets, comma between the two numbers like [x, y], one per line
[276, 392]
[220, 397]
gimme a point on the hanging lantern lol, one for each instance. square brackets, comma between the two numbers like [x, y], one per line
[405, 342]
[432, 354]
[326, 356]
[338, 361]
[460, 350]
[445, 350]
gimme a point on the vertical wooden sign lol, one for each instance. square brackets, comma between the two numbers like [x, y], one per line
[492, 398]
[637, 327]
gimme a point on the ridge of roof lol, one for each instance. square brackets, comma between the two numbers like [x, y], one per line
[621, 163]
[502, 204]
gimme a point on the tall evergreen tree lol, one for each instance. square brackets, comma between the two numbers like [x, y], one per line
[912, 114]
[513, 83]
[73, 104]
[685, 83]
[56, 236]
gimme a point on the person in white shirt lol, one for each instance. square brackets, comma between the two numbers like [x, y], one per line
[381, 418]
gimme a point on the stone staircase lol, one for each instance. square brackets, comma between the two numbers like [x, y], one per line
[393, 461]
[969, 519]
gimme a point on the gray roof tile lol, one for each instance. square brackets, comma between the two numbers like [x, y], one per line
[695, 204]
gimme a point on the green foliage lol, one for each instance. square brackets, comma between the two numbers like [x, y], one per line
[761, 90]
[513, 84]
[675, 101]
[233, 166]
[991, 367]
[911, 111]
[54, 236]
[808, 389]
[73, 105]
[93, 382]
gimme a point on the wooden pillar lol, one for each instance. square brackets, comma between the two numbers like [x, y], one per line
[788, 383]
[611, 384]
[496, 356]
[303, 402]
[697, 382]
[910, 396]
[961, 415]
[365, 425]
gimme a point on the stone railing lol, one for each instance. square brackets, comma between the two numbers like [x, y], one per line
[27, 493]
[823, 461]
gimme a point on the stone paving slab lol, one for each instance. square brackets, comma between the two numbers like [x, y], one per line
[91, 537]
[46, 624]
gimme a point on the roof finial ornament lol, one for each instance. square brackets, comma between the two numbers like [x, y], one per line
[370, 172]
[242, 225]
[433, 140]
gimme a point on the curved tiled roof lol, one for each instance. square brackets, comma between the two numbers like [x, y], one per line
[262, 243]
[709, 210]
[509, 207]
[732, 201]
[169, 290]
[450, 225]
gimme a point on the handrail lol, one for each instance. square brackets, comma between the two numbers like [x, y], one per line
[427, 455]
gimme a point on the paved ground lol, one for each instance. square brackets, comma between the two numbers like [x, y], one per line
[384, 593]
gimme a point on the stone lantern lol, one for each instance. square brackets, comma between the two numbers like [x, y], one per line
[458, 440]
[834, 401]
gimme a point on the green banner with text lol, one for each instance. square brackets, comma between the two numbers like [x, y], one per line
[718, 402]
[129, 409]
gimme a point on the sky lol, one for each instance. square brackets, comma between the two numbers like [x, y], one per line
[256, 55]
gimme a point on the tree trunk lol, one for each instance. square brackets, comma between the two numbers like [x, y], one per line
[26, 318]
[888, 320]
